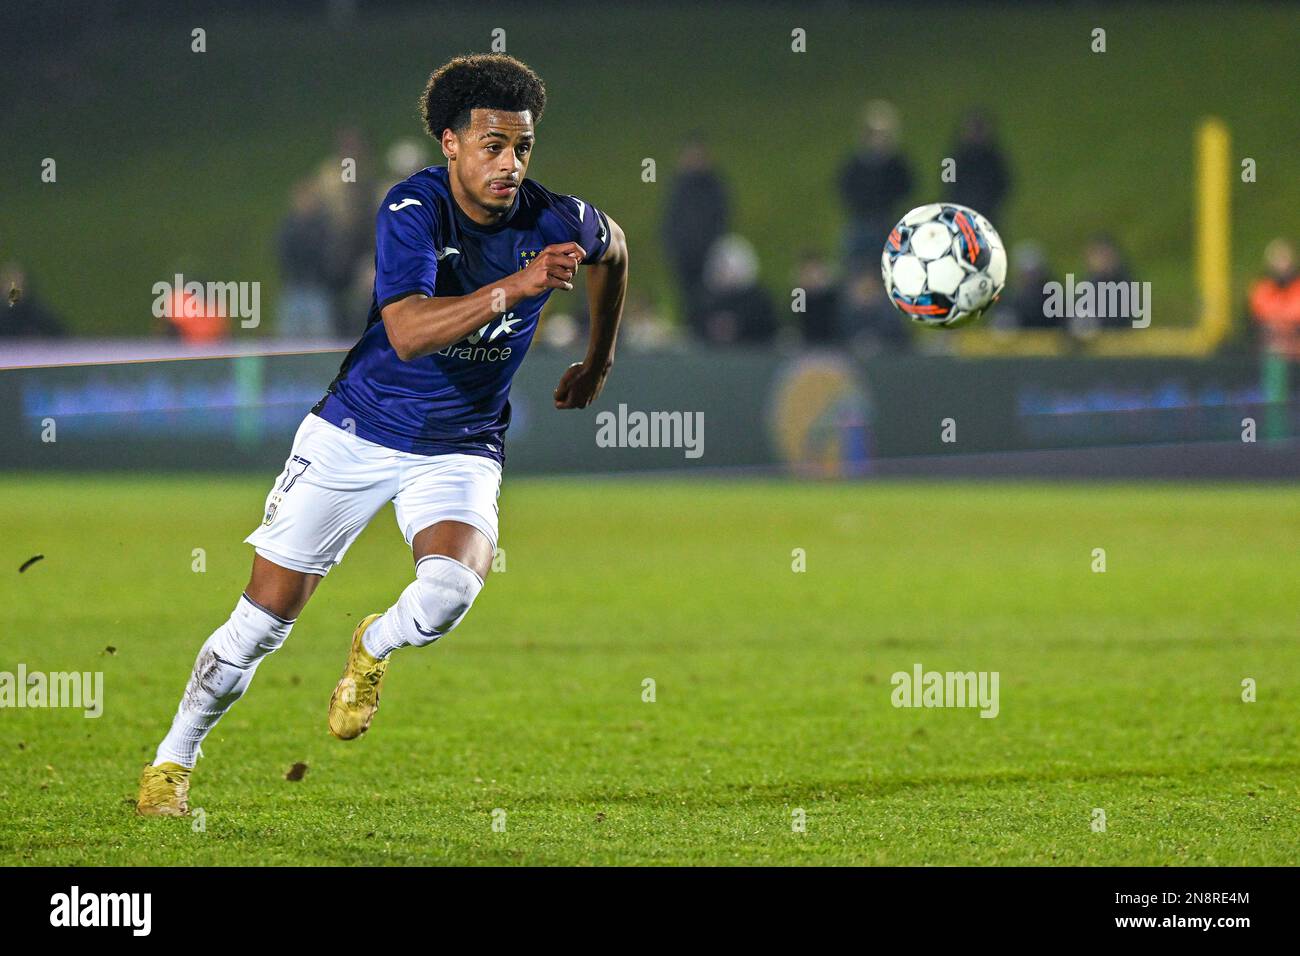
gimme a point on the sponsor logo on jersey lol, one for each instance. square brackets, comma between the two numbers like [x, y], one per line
[477, 353]
[508, 323]
[479, 347]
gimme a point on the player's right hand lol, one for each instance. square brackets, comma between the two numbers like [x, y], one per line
[552, 268]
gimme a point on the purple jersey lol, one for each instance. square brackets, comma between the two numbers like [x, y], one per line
[457, 399]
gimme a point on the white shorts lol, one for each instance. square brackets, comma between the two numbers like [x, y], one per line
[334, 482]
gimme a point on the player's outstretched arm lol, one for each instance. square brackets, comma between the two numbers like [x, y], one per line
[606, 286]
[420, 325]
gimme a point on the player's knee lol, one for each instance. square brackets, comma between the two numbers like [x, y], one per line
[446, 590]
[251, 633]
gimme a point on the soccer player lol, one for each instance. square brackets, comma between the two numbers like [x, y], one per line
[466, 256]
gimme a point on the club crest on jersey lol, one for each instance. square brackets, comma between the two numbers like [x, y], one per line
[528, 255]
[272, 506]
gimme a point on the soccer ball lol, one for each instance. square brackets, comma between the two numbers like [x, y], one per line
[943, 265]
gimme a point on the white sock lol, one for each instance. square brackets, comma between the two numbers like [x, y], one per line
[222, 672]
[430, 607]
[384, 636]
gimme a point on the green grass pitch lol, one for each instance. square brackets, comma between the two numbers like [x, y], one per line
[1120, 691]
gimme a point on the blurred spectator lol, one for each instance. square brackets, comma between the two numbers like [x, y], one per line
[559, 330]
[305, 246]
[350, 205]
[644, 328]
[870, 322]
[983, 178]
[1025, 307]
[190, 315]
[405, 157]
[1105, 264]
[819, 323]
[351, 321]
[873, 183]
[1275, 299]
[697, 215]
[342, 13]
[735, 308]
[350, 305]
[23, 314]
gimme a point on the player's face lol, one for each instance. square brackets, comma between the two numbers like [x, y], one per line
[489, 160]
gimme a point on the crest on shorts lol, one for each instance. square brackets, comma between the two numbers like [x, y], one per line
[528, 255]
[272, 506]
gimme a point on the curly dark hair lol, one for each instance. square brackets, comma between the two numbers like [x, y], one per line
[481, 81]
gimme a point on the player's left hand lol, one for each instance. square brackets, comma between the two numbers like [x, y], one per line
[580, 385]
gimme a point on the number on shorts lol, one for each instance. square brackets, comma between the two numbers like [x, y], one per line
[293, 471]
